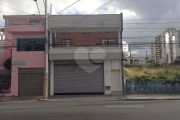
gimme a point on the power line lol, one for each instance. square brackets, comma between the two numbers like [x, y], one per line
[13, 8]
[68, 6]
[85, 17]
[152, 19]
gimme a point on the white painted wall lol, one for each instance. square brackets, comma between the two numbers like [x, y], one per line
[112, 77]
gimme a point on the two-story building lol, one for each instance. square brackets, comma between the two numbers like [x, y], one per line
[24, 44]
[85, 54]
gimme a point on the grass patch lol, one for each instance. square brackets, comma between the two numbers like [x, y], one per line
[142, 72]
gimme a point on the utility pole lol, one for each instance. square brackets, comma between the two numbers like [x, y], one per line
[46, 55]
[46, 63]
[130, 50]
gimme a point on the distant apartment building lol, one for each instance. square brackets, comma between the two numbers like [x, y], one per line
[165, 48]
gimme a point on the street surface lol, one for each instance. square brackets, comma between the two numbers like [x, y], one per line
[91, 110]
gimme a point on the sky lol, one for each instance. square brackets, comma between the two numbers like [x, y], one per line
[142, 19]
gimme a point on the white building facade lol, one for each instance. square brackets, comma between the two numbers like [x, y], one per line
[165, 47]
[76, 68]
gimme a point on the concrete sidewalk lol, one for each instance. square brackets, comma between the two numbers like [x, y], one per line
[64, 98]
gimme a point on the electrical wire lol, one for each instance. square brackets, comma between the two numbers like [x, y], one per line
[13, 8]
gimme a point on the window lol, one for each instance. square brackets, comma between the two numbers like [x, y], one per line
[30, 44]
[34, 21]
[108, 42]
[66, 43]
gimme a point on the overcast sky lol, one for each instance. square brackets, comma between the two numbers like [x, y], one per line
[157, 13]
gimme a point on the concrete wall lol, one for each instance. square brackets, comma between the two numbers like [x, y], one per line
[103, 22]
[152, 86]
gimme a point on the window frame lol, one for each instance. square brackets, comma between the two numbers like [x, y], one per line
[66, 43]
[30, 44]
[108, 42]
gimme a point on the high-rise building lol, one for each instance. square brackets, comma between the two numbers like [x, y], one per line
[166, 46]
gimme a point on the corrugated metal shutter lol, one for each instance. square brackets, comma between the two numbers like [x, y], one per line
[73, 79]
[30, 81]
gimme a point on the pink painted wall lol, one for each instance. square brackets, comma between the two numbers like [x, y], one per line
[33, 60]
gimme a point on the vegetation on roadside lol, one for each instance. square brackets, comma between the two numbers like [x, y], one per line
[7, 64]
[145, 72]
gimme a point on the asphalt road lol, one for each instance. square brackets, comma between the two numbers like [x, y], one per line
[91, 110]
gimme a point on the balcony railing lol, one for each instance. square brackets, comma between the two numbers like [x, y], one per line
[24, 21]
[61, 44]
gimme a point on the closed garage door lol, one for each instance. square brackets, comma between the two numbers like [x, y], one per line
[73, 79]
[30, 82]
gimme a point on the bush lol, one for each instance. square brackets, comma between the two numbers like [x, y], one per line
[166, 72]
[153, 77]
[126, 74]
[143, 77]
[7, 64]
[177, 75]
[162, 76]
[140, 66]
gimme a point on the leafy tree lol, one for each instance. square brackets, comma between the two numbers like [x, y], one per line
[7, 64]
[177, 60]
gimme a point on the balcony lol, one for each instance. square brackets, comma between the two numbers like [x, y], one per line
[80, 52]
[24, 24]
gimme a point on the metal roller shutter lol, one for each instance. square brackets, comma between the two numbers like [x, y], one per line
[30, 82]
[73, 79]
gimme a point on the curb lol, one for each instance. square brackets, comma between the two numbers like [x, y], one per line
[6, 98]
[153, 99]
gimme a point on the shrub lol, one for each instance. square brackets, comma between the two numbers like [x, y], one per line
[162, 76]
[140, 66]
[153, 77]
[177, 75]
[166, 72]
[126, 74]
[7, 64]
[144, 77]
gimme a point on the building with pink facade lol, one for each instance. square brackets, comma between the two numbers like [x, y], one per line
[24, 43]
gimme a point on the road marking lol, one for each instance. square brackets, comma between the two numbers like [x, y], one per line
[126, 106]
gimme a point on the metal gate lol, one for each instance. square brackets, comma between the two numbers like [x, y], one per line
[73, 79]
[30, 81]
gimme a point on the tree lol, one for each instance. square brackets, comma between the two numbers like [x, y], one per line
[177, 60]
[7, 64]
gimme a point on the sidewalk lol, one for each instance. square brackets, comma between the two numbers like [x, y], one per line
[81, 98]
